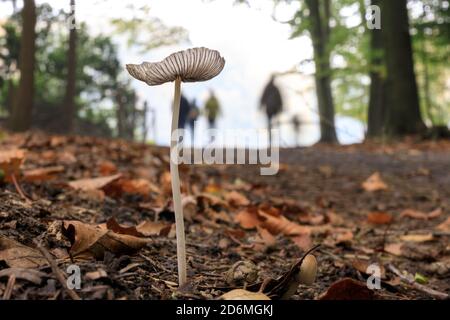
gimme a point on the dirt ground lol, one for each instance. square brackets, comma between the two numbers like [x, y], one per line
[398, 219]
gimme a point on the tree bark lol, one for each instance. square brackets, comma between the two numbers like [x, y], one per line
[403, 110]
[319, 29]
[69, 99]
[377, 98]
[23, 104]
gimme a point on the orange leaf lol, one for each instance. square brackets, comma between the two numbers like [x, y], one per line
[414, 214]
[247, 219]
[374, 183]
[444, 226]
[236, 199]
[42, 174]
[379, 218]
[348, 289]
[93, 184]
[107, 168]
[11, 161]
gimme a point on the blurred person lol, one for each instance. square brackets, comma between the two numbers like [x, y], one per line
[212, 110]
[272, 103]
[193, 115]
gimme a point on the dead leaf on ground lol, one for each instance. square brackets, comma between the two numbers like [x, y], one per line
[363, 267]
[374, 183]
[395, 249]
[42, 174]
[107, 168]
[247, 219]
[30, 275]
[93, 183]
[379, 218]
[11, 161]
[145, 229]
[96, 240]
[417, 237]
[444, 226]
[348, 289]
[17, 255]
[236, 199]
[419, 215]
[241, 294]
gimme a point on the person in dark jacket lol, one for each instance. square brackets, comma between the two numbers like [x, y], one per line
[272, 103]
[193, 115]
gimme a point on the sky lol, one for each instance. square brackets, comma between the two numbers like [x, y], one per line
[254, 46]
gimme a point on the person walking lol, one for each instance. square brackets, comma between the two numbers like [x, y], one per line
[272, 103]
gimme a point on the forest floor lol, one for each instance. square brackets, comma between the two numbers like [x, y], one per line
[104, 206]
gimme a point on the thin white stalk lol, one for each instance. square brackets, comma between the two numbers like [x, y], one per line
[176, 191]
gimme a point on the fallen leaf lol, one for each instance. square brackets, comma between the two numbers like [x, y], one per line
[150, 228]
[415, 214]
[236, 199]
[374, 183]
[96, 240]
[107, 168]
[444, 226]
[16, 255]
[394, 248]
[266, 236]
[348, 289]
[30, 275]
[247, 219]
[95, 275]
[363, 266]
[241, 294]
[142, 187]
[42, 174]
[281, 225]
[11, 161]
[417, 237]
[379, 218]
[94, 183]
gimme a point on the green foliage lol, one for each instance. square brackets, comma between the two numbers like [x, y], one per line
[146, 33]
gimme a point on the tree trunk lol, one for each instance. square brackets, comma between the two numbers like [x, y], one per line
[319, 29]
[377, 99]
[23, 104]
[69, 99]
[403, 111]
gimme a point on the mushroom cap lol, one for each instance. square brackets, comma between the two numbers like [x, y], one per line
[192, 65]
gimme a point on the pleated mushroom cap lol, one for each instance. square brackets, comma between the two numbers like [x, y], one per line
[192, 65]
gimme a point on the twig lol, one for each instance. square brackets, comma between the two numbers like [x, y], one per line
[57, 272]
[420, 287]
[19, 189]
[9, 287]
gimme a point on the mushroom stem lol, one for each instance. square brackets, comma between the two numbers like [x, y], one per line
[176, 190]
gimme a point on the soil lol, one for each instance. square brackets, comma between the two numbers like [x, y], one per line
[317, 187]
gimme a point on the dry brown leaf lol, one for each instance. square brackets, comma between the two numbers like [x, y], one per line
[94, 183]
[444, 226]
[394, 248]
[42, 174]
[11, 161]
[30, 275]
[379, 218]
[95, 275]
[16, 255]
[348, 289]
[374, 183]
[236, 199]
[142, 187]
[266, 236]
[417, 237]
[107, 168]
[281, 225]
[149, 228]
[96, 240]
[415, 214]
[241, 294]
[363, 265]
[247, 219]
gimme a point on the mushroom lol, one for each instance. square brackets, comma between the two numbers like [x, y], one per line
[192, 65]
